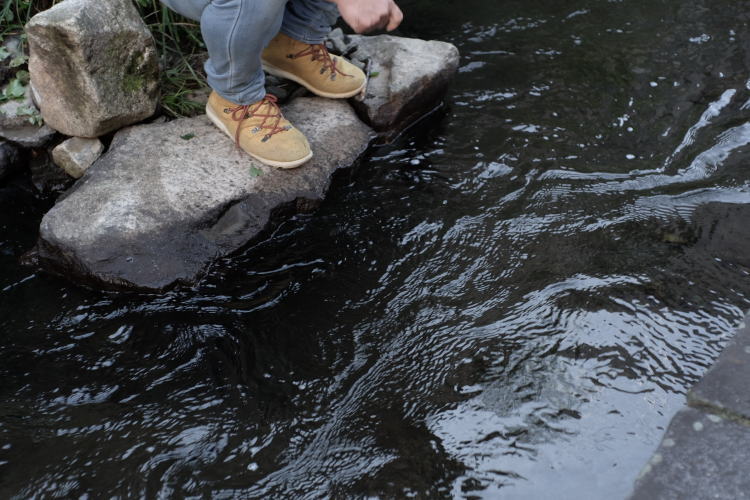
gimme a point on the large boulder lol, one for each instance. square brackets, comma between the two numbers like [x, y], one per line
[411, 78]
[168, 199]
[93, 66]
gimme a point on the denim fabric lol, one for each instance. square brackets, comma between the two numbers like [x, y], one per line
[237, 31]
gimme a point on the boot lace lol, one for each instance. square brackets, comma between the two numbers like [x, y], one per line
[319, 52]
[271, 116]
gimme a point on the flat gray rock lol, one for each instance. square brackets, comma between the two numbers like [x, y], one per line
[168, 199]
[412, 76]
[16, 123]
[702, 456]
[93, 65]
[726, 386]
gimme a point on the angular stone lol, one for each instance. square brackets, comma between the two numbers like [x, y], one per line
[701, 456]
[166, 200]
[10, 160]
[412, 76]
[93, 65]
[724, 388]
[16, 126]
[77, 154]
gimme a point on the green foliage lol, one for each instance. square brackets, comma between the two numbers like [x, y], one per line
[16, 88]
[177, 39]
[33, 115]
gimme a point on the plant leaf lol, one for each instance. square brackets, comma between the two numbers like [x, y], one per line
[15, 89]
[19, 60]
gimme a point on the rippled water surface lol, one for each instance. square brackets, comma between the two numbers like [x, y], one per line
[511, 300]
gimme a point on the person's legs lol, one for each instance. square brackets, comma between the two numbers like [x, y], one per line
[192, 9]
[309, 21]
[299, 53]
[235, 33]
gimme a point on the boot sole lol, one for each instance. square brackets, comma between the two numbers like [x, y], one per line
[273, 70]
[271, 163]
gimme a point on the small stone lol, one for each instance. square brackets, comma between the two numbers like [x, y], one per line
[93, 65]
[697, 426]
[668, 443]
[338, 41]
[77, 154]
[413, 76]
[714, 418]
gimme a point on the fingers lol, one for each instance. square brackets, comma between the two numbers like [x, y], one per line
[370, 15]
[395, 17]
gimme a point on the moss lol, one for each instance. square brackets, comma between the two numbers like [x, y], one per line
[132, 83]
[133, 80]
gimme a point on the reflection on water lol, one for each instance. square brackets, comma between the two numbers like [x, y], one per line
[513, 298]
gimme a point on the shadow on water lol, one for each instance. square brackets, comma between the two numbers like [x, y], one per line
[511, 299]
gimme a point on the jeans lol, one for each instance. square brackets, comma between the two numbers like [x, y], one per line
[237, 31]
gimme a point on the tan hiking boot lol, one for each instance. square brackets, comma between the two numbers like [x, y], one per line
[313, 67]
[260, 130]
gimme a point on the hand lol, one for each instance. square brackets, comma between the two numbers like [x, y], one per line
[370, 15]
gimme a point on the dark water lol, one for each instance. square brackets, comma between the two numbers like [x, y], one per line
[511, 301]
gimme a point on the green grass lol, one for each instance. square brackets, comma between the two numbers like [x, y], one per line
[178, 41]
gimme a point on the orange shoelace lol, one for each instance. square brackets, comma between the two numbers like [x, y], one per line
[319, 52]
[243, 112]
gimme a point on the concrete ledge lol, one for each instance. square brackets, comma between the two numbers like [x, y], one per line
[705, 452]
[702, 456]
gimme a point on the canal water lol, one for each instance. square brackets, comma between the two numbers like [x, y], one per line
[510, 301]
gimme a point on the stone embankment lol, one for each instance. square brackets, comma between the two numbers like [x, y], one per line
[168, 198]
[704, 451]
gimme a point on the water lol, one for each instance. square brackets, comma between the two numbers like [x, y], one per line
[511, 300]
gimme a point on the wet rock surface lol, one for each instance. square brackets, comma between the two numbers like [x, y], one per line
[93, 66]
[408, 76]
[168, 199]
[724, 389]
[703, 453]
[698, 459]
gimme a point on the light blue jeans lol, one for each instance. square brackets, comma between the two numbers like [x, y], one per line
[237, 31]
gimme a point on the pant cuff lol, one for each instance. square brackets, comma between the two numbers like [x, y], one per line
[311, 38]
